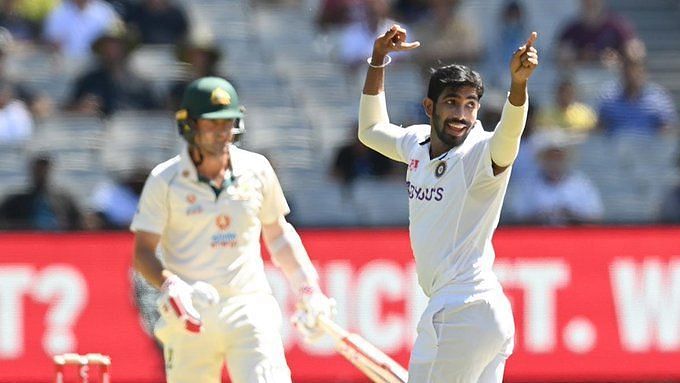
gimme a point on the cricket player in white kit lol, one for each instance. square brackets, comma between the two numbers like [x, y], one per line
[457, 177]
[204, 211]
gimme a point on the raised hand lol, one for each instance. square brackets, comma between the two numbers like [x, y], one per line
[393, 40]
[524, 60]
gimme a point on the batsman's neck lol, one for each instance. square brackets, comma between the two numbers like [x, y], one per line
[213, 166]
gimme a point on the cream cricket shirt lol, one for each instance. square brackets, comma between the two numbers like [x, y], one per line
[209, 237]
[454, 207]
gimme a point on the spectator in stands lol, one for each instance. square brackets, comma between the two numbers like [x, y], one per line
[16, 123]
[557, 195]
[158, 22]
[356, 45]
[74, 24]
[597, 33]
[11, 18]
[203, 56]
[354, 160]
[447, 36]
[112, 86]
[567, 112]
[334, 13]
[39, 103]
[114, 203]
[411, 11]
[37, 10]
[42, 207]
[635, 105]
[512, 32]
[669, 210]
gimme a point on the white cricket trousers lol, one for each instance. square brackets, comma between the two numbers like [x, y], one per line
[463, 343]
[242, 331]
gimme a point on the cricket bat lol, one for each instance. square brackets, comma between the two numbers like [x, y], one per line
[374, 363]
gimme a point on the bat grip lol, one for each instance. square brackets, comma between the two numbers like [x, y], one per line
[331, 328]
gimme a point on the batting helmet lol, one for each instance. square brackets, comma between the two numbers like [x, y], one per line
[211, 98]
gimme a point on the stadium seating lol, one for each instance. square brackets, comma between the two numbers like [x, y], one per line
[302, 105]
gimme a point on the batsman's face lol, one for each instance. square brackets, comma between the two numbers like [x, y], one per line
[453, 115]
[214, 136]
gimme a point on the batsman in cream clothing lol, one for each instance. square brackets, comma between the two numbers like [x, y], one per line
[204, 211]
[456, 180]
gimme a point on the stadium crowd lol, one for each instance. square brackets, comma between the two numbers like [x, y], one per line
[602, 137]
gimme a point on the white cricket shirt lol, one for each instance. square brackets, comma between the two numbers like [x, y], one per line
[209, 237]
[454, 206]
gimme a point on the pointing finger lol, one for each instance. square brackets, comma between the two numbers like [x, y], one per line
[532, 38]
[408, 46]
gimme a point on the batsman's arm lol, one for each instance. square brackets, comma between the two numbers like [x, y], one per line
[375, 130]
[146, 262]
[289, 254]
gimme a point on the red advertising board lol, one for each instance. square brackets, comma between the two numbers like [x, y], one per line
[590, 304]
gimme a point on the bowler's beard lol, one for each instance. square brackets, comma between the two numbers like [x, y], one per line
[449, 140]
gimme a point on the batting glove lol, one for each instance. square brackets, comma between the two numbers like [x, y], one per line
[204, 295]
[311, 304]
[176, 303]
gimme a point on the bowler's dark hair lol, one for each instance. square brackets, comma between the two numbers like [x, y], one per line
[453, 76]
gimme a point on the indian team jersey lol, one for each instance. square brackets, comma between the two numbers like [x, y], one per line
[210, 236]
[454, 207]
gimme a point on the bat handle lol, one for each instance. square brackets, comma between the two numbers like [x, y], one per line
[332, 328]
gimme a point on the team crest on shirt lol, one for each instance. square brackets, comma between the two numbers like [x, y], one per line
[413, 165]
[223, 238]
[223, 221]
[191, 198]
[440, 169]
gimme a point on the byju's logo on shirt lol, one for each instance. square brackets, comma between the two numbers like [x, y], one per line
[424, 194]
